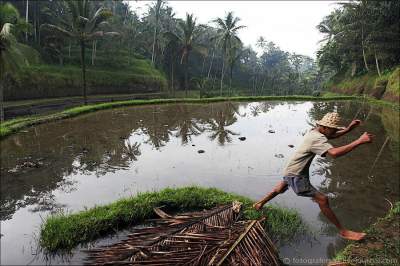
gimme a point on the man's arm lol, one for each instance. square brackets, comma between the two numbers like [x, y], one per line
[349, 128]
[342, 150]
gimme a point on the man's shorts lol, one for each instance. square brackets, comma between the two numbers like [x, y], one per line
[300, 185]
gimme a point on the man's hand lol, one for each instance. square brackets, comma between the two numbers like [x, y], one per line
[354, 123]
[342, 150]
[365, 138]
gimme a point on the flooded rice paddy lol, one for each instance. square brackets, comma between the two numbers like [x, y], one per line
[98, 158]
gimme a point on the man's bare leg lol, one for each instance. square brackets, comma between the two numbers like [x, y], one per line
[323, 203]
[281, 187]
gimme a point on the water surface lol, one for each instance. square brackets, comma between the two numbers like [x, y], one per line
[98, 158]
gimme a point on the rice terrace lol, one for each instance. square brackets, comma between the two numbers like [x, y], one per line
[199, 132]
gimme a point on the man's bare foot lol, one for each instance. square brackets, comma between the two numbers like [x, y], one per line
[351, 235]
[258, 205]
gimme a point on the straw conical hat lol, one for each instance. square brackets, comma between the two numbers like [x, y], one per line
[331, 120]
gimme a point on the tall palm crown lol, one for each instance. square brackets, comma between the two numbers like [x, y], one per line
[226, 37]
[329, 26]
[185, 39]
[82, 26]
[227, 30]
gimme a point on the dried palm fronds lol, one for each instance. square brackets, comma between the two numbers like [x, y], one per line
[213, 237]
[162, 229]
[252, 247]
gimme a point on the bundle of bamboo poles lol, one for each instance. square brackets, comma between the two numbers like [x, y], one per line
[213, 237]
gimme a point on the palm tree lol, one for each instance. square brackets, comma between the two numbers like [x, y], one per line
[82, 27]
[186, 39]
[11, 57]
[156, 9]
[226, 34]
[234, 54]
[355, 24]
[330, 26]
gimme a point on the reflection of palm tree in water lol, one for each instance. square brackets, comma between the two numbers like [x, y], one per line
[223, 118]
[255, 110]
[131, 151]
[157, 129]
[186, 125]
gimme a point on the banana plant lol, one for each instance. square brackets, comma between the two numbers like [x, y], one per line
[11, 58]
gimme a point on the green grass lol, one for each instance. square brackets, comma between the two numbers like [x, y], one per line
[104, 97]
[49, 81]
[369, 84]
[388, 250]
[140, 73]
[65, 231]
[365, 98]
[394, 82]
[12, 126]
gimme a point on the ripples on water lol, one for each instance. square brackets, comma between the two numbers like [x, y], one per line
[97, 158]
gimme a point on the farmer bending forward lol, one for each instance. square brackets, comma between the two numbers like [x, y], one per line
[296, 174]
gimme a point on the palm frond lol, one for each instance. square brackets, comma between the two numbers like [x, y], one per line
[6, 30]
[100, 16]
[211, 237]
[58, 30]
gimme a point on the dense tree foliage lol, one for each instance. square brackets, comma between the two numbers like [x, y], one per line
[10, 55]
[361, 36]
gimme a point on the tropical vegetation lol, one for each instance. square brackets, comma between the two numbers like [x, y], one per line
[111, 36]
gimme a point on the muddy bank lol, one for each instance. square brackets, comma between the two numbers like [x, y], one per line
[381, 246]
[385, 87]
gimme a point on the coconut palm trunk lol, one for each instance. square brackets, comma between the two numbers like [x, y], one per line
[363, 49]
[377, 64]
[211, 63]
[83, 64]
[230, 80]
[172, 80]
[222, 76]
[1, 101]
[94, 50]
[26, 18]
[186, 75]
[153, 56]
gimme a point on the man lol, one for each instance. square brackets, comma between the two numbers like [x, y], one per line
[296, 174]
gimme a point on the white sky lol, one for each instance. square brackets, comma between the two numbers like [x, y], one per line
[289, 24]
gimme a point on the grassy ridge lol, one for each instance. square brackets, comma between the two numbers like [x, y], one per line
[66, 231]
[47, 81]
[9, 127]
[382, 245]
[384, 87]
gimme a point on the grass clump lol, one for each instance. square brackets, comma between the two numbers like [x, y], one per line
[63, 231]
[393, 85]
[381, 246]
